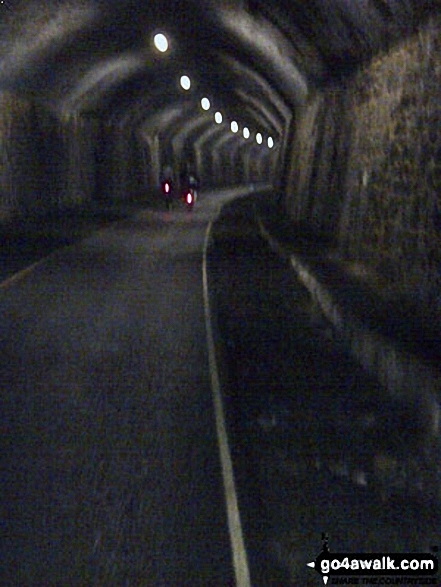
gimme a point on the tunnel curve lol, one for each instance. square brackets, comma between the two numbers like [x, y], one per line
[346, 91]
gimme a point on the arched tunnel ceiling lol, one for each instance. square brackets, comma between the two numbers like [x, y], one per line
[256, 60]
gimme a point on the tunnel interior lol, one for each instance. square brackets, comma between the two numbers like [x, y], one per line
[325, 111]
[336, 105]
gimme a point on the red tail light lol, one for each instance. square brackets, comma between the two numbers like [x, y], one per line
[189, 198]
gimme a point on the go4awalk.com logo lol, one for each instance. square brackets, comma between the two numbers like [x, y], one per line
[375, 568]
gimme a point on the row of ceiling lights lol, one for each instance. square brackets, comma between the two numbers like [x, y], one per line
[205, 103]
[161, 43]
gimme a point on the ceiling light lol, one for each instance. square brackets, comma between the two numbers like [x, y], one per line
[259, 138]
[234, 126]
[161, 42]
[246, 133]
[185, 82]
[205, 103]
[218, 117]
[270, 142]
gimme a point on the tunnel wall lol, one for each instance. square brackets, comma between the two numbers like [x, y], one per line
[365, 167]
[48, 165]
[22, 161]
[78, 172]
[44, 165]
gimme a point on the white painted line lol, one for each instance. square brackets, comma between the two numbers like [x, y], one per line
[240, 560]
[21, 274]
[24, 272]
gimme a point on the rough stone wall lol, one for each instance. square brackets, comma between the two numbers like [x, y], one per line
[47, 165]
[44, 165]
[20, 157]
[300, 172]
[78, 170]
[366, 166]
[126, 166]
[393, 183]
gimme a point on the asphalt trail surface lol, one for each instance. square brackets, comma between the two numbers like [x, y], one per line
[112, 472]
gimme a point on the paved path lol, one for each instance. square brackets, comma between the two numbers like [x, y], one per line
[113, 475]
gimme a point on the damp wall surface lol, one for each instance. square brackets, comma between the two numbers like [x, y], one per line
[364, 169]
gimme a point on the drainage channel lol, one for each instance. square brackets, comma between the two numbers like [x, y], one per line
[314, 440]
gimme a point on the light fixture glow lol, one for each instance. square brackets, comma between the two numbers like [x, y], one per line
[161, 42]
[259, 138]
[234, 126]
[246, 133]
[205, 103]
[218, 117]
[270, 142]
[185, 82]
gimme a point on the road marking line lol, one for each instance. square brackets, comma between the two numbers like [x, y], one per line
[240, 560]
[21, 274]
